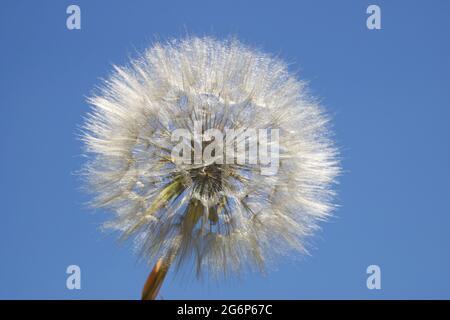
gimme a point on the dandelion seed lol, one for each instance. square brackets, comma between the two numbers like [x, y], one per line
[214, 218]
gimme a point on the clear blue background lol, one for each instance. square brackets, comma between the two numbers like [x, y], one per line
[388, 91]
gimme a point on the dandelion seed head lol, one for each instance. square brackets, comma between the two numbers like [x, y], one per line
[219, 217]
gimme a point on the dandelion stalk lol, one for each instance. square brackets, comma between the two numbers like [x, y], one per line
[155, 280]
[156, 277]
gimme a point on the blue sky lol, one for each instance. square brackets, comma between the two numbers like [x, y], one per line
[388, 92]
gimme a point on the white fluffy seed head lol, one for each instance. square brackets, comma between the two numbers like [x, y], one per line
[218, 218]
